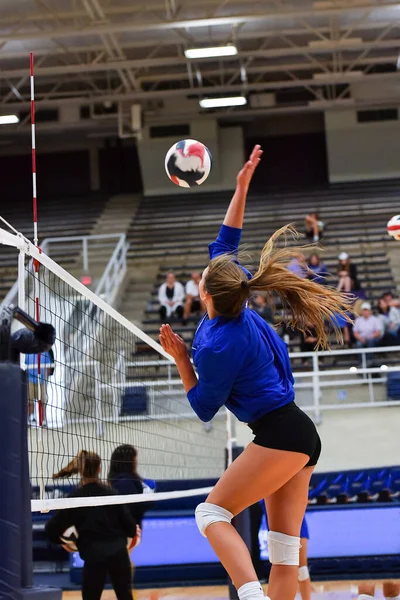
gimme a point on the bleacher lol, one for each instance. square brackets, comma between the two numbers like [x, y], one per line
[56, 217]
[175, 231]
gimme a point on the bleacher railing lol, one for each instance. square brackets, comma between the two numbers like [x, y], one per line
[113, 274]
[319, 379]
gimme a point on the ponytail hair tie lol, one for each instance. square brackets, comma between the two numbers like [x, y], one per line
[243, 284]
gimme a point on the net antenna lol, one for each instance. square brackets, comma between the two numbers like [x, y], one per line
[36, 264]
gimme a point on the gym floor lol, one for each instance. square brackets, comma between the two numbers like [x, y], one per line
[328, 590]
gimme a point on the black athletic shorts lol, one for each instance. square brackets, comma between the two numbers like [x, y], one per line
[288, 428]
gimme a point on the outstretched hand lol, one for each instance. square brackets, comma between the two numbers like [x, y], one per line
[245, 175]
[172, 343]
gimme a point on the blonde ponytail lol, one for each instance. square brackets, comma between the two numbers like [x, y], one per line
[306, 304]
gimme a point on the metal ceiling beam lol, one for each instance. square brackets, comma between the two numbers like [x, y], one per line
[207, 91]
[241, 35]
[180, 60]
[133, 26]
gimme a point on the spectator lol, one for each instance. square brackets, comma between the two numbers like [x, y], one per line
[46, 369]
[260, 305]
[347, 273]
[193, 302]
[314, 226]
[317, 270]
[171, 296]
[391, 300]
[298, 266]
[367, 329]
[390, 318]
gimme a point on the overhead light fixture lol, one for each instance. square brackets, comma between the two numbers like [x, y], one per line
[8, 119]
[211, 52]
[223, 102]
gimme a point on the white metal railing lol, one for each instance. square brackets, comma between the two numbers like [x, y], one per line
[315, 380]
[114, 271]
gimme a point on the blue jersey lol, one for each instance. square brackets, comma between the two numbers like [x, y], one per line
[241, 362]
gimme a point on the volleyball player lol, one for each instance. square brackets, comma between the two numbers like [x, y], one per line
[102, 530]
[243, 364]
[124, 478]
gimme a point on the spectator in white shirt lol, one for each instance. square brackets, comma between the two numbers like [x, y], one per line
[193, 302]
[367, 329]
[171, 297]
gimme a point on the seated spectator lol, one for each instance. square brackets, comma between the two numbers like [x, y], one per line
[390, 319]
[391, 300]
[317, 270]
[298, 266]
[347, 273]
[260, 305]
[171, 296]
[314, 226]
[367, 330]
[193, 302]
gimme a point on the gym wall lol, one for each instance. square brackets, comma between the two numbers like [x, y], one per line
[361, 151]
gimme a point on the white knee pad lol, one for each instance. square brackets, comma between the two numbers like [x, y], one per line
[365, 597]
[304, 573]
[283, 549]
[207, 514]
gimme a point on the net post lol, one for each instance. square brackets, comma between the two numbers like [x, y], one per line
[15, 514]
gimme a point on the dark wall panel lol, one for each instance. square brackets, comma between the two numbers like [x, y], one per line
[297, 161]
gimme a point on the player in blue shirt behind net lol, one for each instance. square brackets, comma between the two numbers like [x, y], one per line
[242, 363]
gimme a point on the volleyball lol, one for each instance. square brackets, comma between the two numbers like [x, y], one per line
[188, 163]
[393, 227]
[70, 538]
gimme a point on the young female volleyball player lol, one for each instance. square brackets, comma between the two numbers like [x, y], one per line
[102, 531]
[242, 363]
[124, 478]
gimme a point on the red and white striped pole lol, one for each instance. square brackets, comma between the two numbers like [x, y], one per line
[35, 227]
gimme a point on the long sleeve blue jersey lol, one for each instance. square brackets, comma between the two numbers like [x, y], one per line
[241, 363]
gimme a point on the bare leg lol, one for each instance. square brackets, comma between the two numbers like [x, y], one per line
[305, 585]
[255, 474]
[391, 589]
[285, 509]
[366, 589]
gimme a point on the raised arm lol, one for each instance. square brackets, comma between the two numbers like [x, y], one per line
[234, 214]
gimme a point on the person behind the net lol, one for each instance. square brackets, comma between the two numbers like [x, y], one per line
[103, 531]
[192, 302]
[242, 363]
[124, 479]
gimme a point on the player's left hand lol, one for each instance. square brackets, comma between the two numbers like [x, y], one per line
[245, 175]
[172, 343]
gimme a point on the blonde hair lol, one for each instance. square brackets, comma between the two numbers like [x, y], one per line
[304, 301]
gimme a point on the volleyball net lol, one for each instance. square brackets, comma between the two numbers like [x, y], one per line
[105, 383]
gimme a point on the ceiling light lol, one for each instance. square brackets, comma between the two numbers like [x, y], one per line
[223, 102]
[216, 51]
[8, 119]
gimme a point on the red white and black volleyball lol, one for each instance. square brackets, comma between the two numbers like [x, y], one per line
[188, 163]
[393, 227]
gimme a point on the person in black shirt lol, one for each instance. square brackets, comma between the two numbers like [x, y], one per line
[124, 478]
[102, 531]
